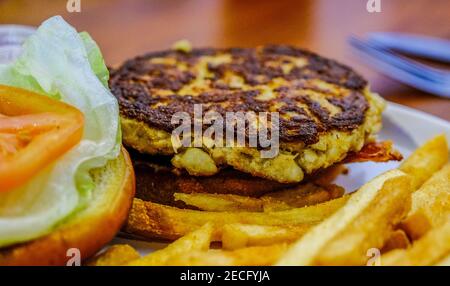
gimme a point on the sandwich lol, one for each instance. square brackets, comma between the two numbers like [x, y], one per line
[66, 182]
[319, 115]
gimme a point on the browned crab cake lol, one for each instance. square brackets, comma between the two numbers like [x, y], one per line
[326, 109]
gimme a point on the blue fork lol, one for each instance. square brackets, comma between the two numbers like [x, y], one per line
[377, 51]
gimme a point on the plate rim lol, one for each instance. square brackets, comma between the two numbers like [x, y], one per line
[393, 106]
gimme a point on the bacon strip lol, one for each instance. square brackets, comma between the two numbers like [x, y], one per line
[374, 152]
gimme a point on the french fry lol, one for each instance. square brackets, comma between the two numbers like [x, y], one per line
[116, 255]
[300, 196]
[404, 212]
[150, 219]
[221, 202]
[428, 250]
[444, 262]
[426, 160]
[295, 197]
[250, 256]
[365, 222]
[237, 235]
[433, 198]
[416, 225]
[430, 204]
[198, 240]
[397, 240]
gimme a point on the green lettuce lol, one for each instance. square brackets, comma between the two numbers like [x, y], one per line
[59, 62]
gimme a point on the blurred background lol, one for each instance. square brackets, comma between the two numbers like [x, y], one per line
[126, 28]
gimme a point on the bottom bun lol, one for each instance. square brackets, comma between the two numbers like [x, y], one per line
[88, 230]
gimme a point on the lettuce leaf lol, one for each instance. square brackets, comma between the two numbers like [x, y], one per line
[62, 64]
[95, 58]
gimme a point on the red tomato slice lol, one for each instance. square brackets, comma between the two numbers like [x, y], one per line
[35, 131]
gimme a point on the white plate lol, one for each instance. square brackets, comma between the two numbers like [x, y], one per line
[406, 127]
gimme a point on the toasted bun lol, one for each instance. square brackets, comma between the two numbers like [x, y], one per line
[90, 229]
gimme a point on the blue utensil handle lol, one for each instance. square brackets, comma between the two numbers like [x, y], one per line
[423, 46]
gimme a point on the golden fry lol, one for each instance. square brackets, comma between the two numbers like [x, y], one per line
[236, 236]
[444, 262]
[301, 196]
[250, 256]
[221, 202]
[150, 219]
[397, 240]
[430, 203]
[365, 222]
[198, 240]
[116, 255]
[426, 160]
[416, 225]
[296, 197]
[428, 250]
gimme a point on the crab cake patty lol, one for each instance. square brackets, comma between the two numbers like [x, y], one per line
[326, 109]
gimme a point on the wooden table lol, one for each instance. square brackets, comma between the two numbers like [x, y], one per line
[124, 29]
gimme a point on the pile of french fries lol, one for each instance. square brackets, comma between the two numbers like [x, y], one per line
[399, 218]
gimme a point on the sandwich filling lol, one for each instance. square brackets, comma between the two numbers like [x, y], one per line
[326, 109]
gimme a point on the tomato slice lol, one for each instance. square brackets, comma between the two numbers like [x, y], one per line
[35, 131]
